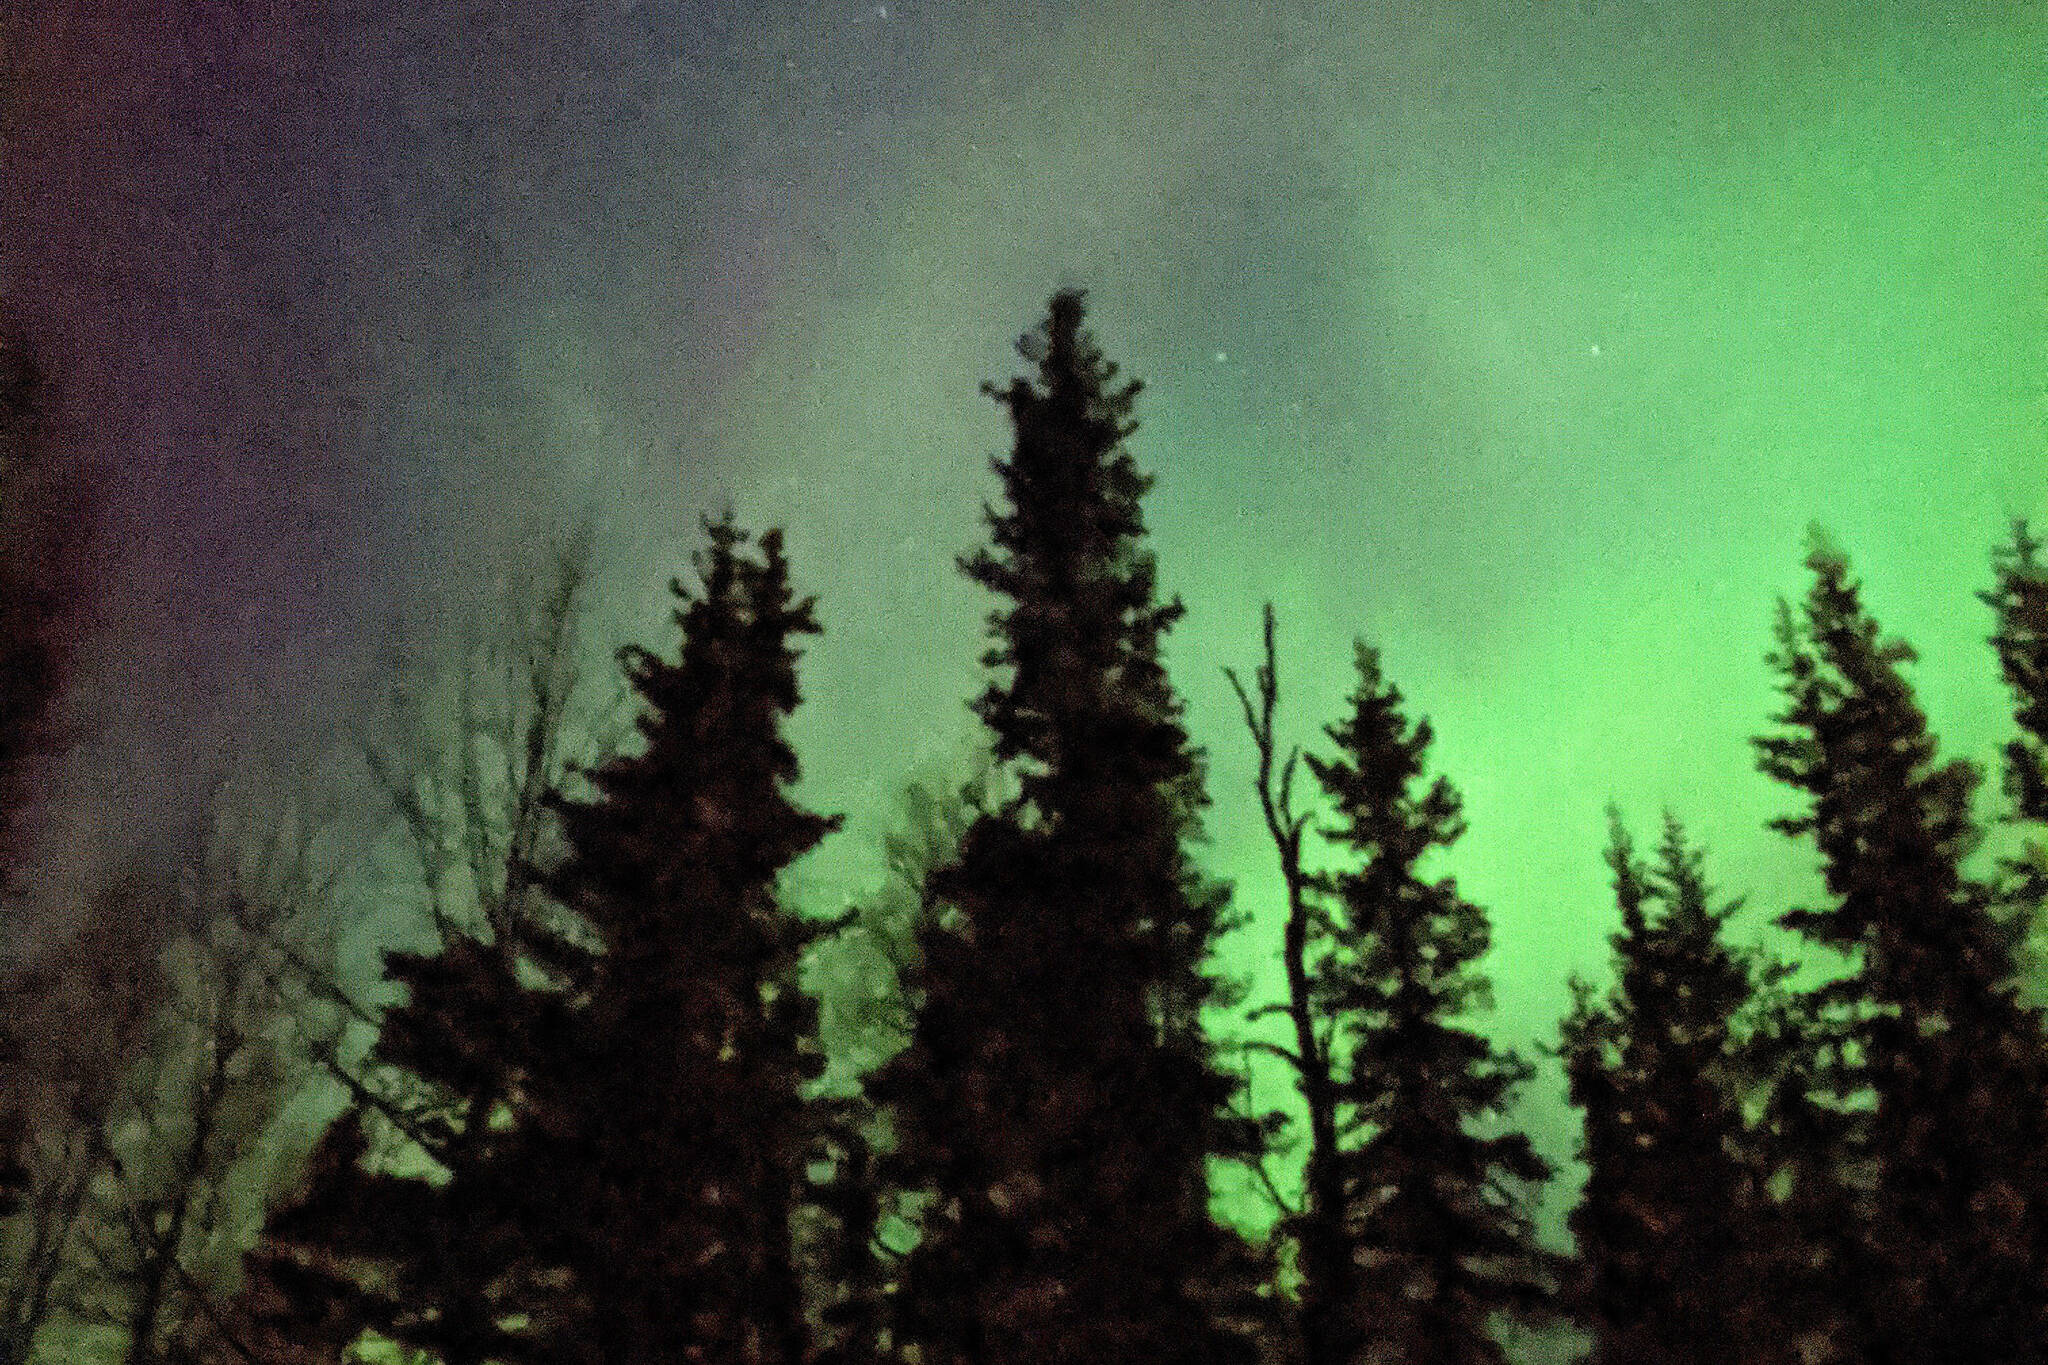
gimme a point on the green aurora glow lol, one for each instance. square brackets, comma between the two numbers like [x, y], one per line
[1524, 338]
[1526, 346]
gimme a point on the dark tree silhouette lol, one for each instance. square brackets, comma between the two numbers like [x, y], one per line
[1809, 1143]
[857, 1234]
[1953, 1060]
[88, 1013]
[2019, 598]
[45, 524]
[617, 1101]
[1437, 1212]
[404, 1226]
[673, 1133]
[298, 1304]
[1328, 1321]
[1058, 1101]
[1675, 1225]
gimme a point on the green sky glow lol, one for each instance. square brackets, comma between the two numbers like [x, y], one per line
[1522, 337]
[1526, 346]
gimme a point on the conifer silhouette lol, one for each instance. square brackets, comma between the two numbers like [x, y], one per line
[1437, 1209]
[2020, 600]
[1058, 1101]
[1675, 1227]
[1958, 1233]
[671, 1125]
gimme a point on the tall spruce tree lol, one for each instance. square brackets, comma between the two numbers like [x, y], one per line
[1954, 1062]
[2019, 598]
[673, 1130]
[1438, 1211]
[1058, 1102]
[1675, 1223]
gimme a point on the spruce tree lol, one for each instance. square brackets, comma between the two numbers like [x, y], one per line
[431, 1250]
[414, 1224]
[1442, 1235]
[1954, 1062]
[297, 1304]
[1058, 1103]
[617, 1103]
[1808, 1139]
[1674, 1224]
[673, 1132]
[2020, 599]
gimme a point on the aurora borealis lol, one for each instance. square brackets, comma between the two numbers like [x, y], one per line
[1524, 339]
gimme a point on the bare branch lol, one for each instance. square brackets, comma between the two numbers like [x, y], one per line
[1286, 1055]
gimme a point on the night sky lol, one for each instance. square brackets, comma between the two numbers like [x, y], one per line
[1524, 338]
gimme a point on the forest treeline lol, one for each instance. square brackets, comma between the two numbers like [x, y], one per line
[594, 1120]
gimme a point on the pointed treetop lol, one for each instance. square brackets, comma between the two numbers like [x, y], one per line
[1382, 754]
[1072, 372]
[1630, 888]
[1855, 740]
[1681, 869]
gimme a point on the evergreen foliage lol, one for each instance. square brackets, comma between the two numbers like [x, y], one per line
[1809, 1142]
[2019, 598]
[1411, 1230]
[1058, 1101]
[1437, 1211]
[296, 1305]
[1675, 1225]
[1958, 1234]
[423, 1239]
[452, 1263]
[617, 1106]
[597, 1126]
[672, 1128]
